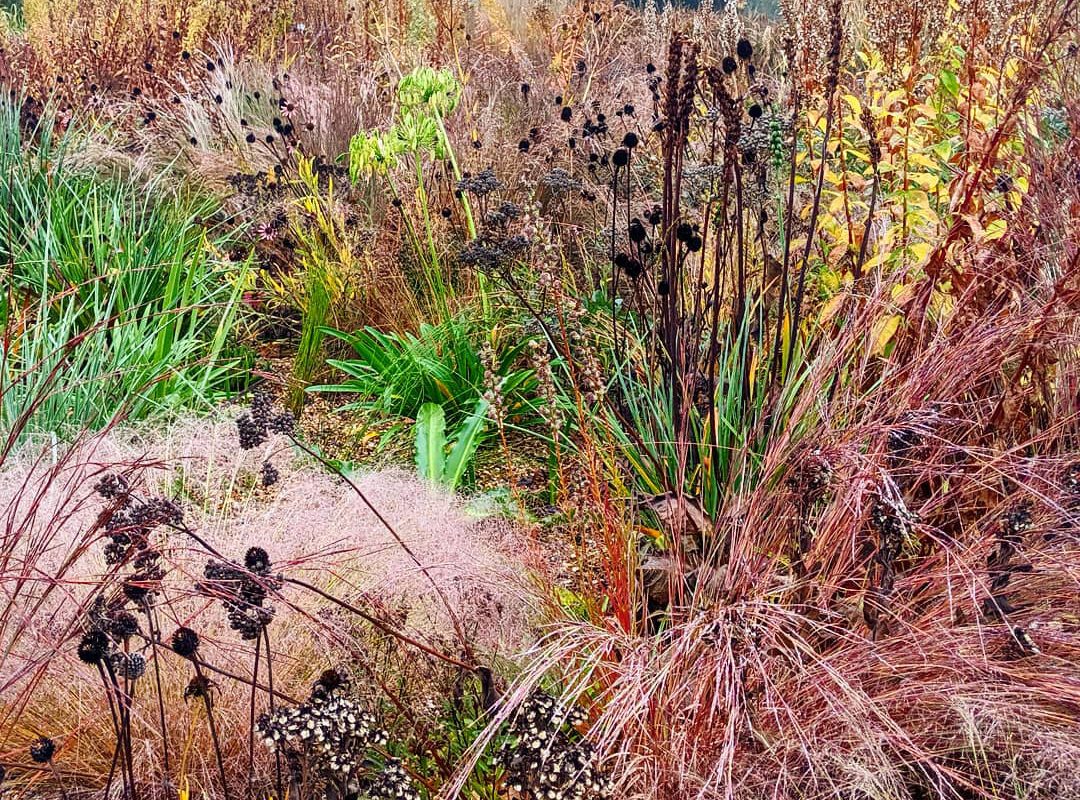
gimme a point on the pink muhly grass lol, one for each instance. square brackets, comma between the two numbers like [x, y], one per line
[313, 527]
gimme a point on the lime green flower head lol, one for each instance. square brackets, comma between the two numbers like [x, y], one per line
[371, 152]
[415, 133]
[426, 88]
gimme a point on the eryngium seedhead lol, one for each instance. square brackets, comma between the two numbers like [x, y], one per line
[128, 665]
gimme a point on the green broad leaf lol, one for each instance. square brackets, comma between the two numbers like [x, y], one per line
[431, 442]
[949, 82]
[465, 445]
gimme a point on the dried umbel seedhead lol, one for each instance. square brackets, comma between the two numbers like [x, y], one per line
[112, 486]
[329, 681]
[254, 426]
[250, 432]
[892, 524]
[268, 474]
[545, 757]
[1015, 522]
[481, 184]
[392, 783]
[812, 477]
[331, 730]
[242, 594]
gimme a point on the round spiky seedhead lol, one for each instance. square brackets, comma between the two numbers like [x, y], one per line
[744, 49]
[331, 680]
[134, 591]
[93, 647]
[123, 625]
[257, 560]
[42, 749]
[185, 642]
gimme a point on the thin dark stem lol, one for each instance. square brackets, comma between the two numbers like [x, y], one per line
[251, 720]
[154, 631]
[206, 665]
[270, 681]
[866, 232]
[112, 769]
[815, 208]
[116, 729]
[785, 274]
[123, 705]
[205, 691]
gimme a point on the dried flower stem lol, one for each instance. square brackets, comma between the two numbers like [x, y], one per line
[209, 704]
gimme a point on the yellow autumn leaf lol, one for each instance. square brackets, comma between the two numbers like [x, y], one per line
[830, 309]
[919, 251]
[901, 293]
[995, 229]
[922, 160]
[883, 332]
[856, 106]
[925, 180]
